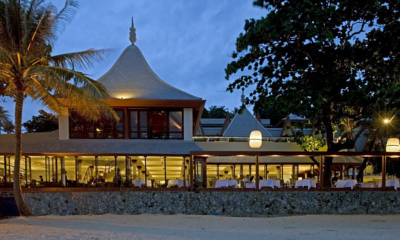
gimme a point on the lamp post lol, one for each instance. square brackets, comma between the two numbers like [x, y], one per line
[255, 142]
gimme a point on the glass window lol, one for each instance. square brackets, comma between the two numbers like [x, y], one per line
[175, 125]
[143, 124]
[158, 124]
[134, 124]
[120, 125]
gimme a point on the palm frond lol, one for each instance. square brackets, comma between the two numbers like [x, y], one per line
[81, 59]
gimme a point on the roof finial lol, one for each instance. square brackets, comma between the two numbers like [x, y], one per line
[133, 36]
[242, 98]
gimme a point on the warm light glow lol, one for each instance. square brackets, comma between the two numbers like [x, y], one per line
[98, 130]
[255, 140]
[392, 145]
[386, 121]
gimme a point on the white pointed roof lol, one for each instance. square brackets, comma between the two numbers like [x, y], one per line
[132, 77]
[242, 125]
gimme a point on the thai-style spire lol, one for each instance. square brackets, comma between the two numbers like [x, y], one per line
[133, 36]
[242, 98]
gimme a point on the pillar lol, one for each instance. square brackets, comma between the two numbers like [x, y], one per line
[63, 172]
[188, 124]
[383, 171]
[257, 173]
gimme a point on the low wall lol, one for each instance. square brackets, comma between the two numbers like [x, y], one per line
[229, 203]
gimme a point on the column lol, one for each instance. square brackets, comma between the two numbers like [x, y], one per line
[383, 171]
[257, 173]
[63, 171]
[5, 168]
[188, 124]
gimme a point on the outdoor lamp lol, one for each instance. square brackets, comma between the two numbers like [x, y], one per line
[392, 145]
[255, 140]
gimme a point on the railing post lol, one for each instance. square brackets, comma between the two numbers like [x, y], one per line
[383, 171]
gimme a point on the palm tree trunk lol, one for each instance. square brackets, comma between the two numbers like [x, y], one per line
[21, 205]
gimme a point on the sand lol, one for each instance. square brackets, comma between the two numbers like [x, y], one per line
[201, 227]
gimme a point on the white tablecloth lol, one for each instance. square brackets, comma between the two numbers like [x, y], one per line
[347, 183]
[270, 183]
[391, 183]
[309, 183]
[175, 183]
[225, 183]
[250, 185]
[141, 183]
[138, 183]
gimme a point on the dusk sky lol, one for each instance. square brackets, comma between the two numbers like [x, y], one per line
[187, 42]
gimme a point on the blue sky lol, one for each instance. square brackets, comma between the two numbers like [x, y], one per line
[187, 42]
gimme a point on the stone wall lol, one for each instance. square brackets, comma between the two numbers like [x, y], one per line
[230, 203]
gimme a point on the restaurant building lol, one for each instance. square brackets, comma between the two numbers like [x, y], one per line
[158, 143]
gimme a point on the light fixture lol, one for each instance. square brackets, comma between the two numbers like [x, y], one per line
[386, 121]
[255, 139]
[392, 145]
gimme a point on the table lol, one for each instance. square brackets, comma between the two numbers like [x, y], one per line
[141, 183]
[347, 183]
[225, 183]
[175, 183]
[249, 185]
[138, 183]
[309, 183]
[391, 183]
[270, 183]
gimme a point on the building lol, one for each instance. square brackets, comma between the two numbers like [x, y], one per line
[154, 143]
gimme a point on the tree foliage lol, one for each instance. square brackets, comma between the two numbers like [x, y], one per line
[324, 59]
[43, 122]
[217, 112]
[6, 125]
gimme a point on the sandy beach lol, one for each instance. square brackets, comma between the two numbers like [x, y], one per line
[201, 227]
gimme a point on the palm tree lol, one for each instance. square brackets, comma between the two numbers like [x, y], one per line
[5, 123]
[27, 68]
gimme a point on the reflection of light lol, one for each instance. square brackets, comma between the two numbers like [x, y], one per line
[98, 130]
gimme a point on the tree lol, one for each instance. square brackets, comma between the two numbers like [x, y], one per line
[217, 112]
[326, 60]
[44, 122]
[28, 68]
[5, 123]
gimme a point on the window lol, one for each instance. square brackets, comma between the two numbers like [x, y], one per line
[158, 124]
[134, 133]
[143, 125]
[140, 124]
[104, 128]
[175, 125]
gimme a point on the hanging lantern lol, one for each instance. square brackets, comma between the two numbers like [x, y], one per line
[392, 145]
[255, 140]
